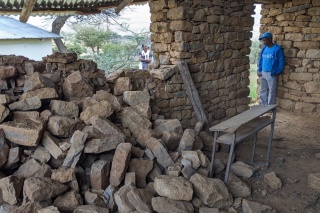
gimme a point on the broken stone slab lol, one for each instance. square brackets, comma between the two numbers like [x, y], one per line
[107, 143]
[29, 207]
[75, 87]
[121, 199]
[237, 187]
[7, 72]
[68, 202]
[4, 99]
[105, 126]
[193, 157]
[77, 145]
[137, 152]
[46, 93]
[164, 72]
[63, 174]
[141, 168]
[211, 191]
[140, 199]
[37, 81]
[165, 205]
[10, 188]
[4, 149]
[63, 126]
[41, 154]
[170, 125]
[137, 123]
[61, 57]
[103, 109]
[207, 141]
[272, 180]
[122, 84]
[4, 112]
[32, 103]
[33, 168]
[146, 134]
[93, 199]
[52, 145]
[254, 207]
[133, 98]
[241, 169]
[34, 66]
[120, 163]
[49, 209]
[42, 188]
[21, 115]
[99, 174]
[187, 140]
[188, 171]
[130, 179]
[13, 158]
[163, 158]
[64, 108]
[176, 188]
[108, 196]
[314, 181]
[90, 209]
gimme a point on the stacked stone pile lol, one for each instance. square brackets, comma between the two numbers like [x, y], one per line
[72, 140]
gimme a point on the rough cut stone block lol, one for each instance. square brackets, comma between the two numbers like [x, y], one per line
[122, 201]
[68, 201]
[23, 132]
[187, 140]
[163, 158]
[133, 98]
[90, 208]
[176, 188]
[33, 168]
[11, 188]
[37, 81]
[34, 66]
[164, 72]
[140, 199]
[45, 93]
[107, 143]
[141, 168]
[41, 154]
[22, 115]
[77, 145]
[211, 191]
[4, 148]
[63, 174]
[52, 145]
[314, 181]
[49, 209]
[163, 204]
[249, 206]
[272, 180]
[61, 58]
[241, 169]
[75, 87]
[63, 126]
[134, 121]
[105, 126]
[41, 188]
[4, 112]
[237, 187]
[99, 174]
[93, 199]
[13, 157]
[7, 72]
[120, 163]
[103, 95]
[26, 104]
[122, 84]
[64, 108]
[103, 109]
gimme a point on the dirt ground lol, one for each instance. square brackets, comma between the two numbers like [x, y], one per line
[296, 141]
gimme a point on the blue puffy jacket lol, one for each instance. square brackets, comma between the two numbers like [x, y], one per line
[278, 62]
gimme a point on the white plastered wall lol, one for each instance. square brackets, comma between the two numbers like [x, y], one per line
[33, 49]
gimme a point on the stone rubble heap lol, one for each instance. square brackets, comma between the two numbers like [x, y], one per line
[72, 140]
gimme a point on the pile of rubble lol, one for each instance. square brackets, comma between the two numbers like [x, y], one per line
[72, 140]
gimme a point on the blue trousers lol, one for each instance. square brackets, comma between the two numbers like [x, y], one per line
[268, 88]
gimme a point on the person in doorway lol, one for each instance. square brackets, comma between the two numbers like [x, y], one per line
[145, 57]
[270, 64]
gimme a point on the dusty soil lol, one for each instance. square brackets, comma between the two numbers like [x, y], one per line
[296, 141]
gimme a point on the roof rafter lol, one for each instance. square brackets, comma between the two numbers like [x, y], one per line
[26, 10]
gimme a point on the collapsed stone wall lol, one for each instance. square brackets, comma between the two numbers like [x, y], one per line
[296, 27]
[214, 38]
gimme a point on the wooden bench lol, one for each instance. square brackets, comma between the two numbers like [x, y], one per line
[241, 126]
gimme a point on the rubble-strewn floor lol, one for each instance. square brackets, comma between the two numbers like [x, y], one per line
[296, 141]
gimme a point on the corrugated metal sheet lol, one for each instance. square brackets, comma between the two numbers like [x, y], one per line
[13, 29]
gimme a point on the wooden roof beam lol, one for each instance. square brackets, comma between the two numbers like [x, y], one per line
[122, 5]
[26, 10]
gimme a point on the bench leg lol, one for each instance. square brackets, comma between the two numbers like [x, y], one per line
[216, 134]
[226, 177]
[254, 146]
[271, 137]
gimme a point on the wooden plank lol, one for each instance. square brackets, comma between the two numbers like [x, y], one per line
[245, 130]
[232, 124]
[122, 5]
[193, 94]
[26, 10]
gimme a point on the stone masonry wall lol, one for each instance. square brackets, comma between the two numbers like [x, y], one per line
[214, 38]
[296, 27]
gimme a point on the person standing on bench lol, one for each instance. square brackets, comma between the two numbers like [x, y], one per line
[270, 64]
